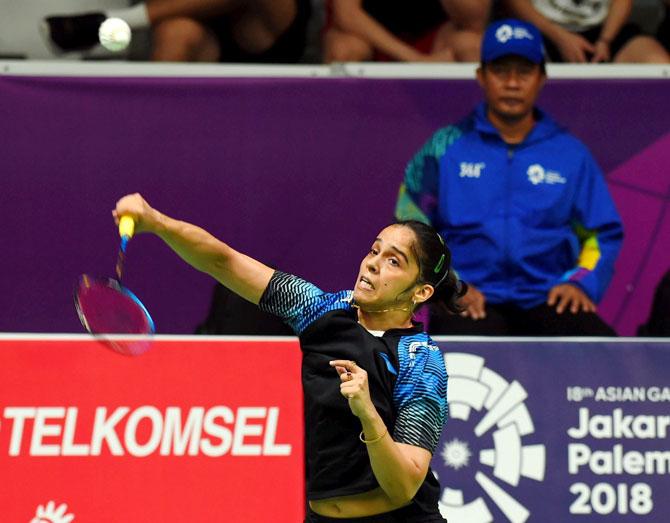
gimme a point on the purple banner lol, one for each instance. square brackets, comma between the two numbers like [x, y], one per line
[301, 173]
[555, 432]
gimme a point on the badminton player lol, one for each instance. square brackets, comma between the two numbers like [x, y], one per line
[374, 383]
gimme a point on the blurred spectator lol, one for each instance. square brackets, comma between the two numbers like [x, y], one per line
[658, 324]
[430, 30]
[663, 32]
[589, 31]
[266, 31]
[231, 314]
[520, 201]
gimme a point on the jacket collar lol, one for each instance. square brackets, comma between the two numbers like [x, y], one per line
[544, 126]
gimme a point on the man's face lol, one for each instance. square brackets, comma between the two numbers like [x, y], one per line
[511, 85]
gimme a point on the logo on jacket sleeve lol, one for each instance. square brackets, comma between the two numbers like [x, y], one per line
[471, 169]
[538, 174]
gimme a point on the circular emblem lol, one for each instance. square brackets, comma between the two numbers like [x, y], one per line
[504, 33]
[536, 174]
[482, 453]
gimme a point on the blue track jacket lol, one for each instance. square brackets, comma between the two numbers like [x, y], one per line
[521, 218]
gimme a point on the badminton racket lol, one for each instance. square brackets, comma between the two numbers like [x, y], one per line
[109, 310]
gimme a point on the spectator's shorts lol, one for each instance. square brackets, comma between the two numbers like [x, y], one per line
[627, 33]
[287, 49]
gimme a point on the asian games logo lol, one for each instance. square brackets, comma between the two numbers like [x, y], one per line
[538, 174]
[50, 513]
[506, 32]
[479, 396]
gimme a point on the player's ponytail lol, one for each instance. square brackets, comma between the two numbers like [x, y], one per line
[435, 266]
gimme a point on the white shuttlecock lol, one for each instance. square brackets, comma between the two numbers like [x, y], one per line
[114, 34]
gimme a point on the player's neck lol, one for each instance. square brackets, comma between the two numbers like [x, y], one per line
[512, 130]
[386, 319]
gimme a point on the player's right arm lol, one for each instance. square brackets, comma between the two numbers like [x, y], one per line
[238, 272]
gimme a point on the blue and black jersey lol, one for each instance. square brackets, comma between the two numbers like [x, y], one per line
[406, 375]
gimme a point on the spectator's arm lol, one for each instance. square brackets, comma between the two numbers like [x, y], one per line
[573, 47]
[616, 18]
[599, 227]
[525, 10]
[350, 17]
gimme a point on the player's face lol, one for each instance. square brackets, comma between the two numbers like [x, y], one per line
[388, 274]
[511, 86]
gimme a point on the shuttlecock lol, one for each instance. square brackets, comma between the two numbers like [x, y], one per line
[114, 34]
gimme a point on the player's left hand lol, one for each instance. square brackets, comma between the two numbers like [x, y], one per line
[354, 387]
[570, 297]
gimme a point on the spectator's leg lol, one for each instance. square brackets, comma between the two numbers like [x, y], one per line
[339, 46]
[463, 33]
[495, 323]
[465, 45]
[159, 10]
[543, 320]
[663, 31]
[184, 40]
[257, 23]
[642, 49]
[471, 15]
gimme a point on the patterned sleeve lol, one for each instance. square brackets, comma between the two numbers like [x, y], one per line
[599, 229]
[297, 302]
[420, 393]
[418, 193]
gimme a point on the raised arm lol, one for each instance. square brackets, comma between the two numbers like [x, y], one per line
[398, 467]
[400, 460]
[238, 272]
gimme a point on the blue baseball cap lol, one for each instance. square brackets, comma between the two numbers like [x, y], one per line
[512, 37]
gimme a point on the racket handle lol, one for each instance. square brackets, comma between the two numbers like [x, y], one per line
[126, 227]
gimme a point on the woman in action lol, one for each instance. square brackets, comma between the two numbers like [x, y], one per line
[374, 384]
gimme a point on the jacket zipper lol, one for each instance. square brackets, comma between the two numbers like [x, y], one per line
[508, 210]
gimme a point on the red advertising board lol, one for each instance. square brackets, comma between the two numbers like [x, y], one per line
[197, 429]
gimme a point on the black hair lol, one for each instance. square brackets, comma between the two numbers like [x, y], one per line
[434, 259]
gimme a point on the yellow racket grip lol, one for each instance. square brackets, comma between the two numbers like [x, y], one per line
[126, 227]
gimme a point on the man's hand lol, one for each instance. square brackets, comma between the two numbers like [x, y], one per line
[567, 296]
[574, 47]
[473, 304]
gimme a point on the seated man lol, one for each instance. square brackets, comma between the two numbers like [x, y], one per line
[233, 315]
[521, 202]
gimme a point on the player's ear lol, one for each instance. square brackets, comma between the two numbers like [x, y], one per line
[422, 293]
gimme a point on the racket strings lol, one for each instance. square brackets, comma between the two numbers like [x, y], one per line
[105, 308]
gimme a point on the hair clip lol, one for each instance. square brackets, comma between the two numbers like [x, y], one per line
[439, 265]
